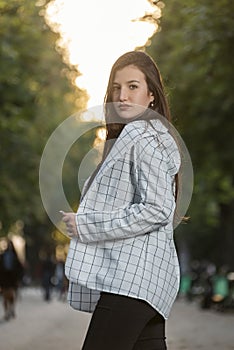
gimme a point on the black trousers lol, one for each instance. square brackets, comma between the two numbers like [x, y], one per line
[124, 323]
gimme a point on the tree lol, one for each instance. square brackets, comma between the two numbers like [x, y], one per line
[37, 92]
[193, 51]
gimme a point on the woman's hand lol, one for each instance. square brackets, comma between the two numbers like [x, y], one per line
[70, 221]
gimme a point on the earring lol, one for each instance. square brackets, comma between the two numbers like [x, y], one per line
[152, 104]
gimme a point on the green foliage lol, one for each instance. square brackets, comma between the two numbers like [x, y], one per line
[37, 92]
[194, 51]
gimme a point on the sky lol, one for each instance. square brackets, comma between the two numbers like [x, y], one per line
[96, 33]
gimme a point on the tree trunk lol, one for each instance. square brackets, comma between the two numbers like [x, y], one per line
[227, 234]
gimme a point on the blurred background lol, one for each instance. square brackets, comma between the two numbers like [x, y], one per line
[41, 61]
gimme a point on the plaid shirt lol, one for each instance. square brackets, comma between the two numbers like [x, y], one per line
[125, 223]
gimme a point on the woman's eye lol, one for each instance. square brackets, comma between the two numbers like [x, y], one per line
[133, 87]
[115, 88]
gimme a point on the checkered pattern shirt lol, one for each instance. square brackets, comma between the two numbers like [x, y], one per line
[125, 223]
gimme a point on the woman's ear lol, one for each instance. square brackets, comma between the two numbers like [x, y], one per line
[151, 97]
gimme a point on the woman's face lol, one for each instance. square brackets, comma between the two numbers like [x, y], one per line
[130, 92]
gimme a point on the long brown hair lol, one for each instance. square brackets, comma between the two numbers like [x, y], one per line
[153, 78]
[155, 85]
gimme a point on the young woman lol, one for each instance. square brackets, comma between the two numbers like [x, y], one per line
[122, 263]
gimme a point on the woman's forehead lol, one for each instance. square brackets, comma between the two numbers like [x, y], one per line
[130, 72]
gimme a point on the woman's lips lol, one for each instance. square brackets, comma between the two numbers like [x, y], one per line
[124, 106]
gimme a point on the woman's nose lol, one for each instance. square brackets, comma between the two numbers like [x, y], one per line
[123, 95]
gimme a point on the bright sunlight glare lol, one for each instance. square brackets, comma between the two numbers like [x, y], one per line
[96, 33]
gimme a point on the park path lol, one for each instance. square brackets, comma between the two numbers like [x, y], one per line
[54, 325]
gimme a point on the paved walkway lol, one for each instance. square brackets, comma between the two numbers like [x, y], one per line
[55, 326]
[190, 328]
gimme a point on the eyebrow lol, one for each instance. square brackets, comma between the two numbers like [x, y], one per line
[128, 82]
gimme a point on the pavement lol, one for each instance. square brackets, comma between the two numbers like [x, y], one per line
[54, 325]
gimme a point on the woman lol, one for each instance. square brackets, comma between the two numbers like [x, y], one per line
[11, 271]
[122, 262]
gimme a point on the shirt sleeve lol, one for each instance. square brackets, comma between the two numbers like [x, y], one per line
[155, 179]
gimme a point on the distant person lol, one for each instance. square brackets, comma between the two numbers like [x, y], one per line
[122, 263]
[60, 280]
[11, 272]
[47, 276]
[221, 288]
